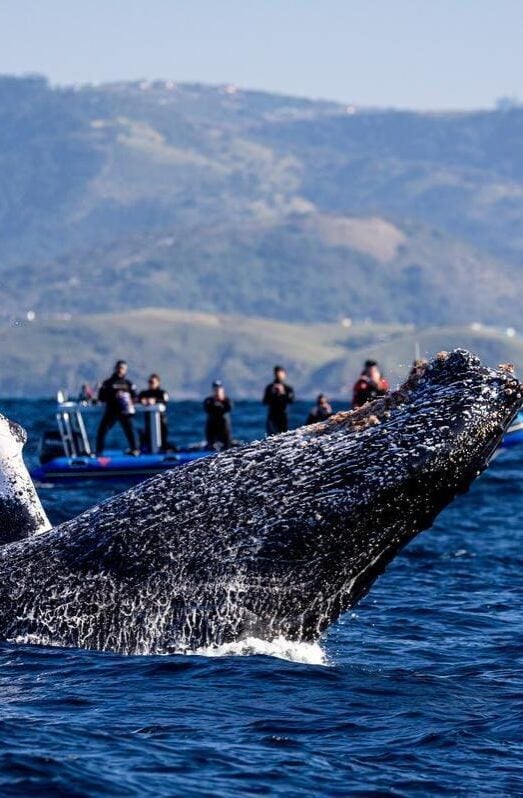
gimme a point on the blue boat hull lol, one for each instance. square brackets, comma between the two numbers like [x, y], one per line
[514, 434]
[113, 465]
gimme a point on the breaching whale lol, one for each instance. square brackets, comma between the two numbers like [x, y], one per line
[275, 538]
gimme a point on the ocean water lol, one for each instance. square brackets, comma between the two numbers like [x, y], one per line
[418, 691]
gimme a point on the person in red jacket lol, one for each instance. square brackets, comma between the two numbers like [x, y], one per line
[370, 384]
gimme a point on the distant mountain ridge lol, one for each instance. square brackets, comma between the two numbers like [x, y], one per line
[400, 213]
[214, 200]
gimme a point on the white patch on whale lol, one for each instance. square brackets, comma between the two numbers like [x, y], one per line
[18, 496]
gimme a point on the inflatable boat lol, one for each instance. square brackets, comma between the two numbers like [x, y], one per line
[66, 454]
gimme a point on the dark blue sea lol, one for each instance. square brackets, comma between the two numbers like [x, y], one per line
[417, 692]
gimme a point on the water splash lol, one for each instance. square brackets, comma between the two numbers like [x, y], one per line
[280, 647]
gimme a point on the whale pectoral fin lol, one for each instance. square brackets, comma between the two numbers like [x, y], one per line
[18, 432]
[21, 512]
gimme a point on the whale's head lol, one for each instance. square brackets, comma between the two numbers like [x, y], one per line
[454, 413]
[21, 513]
[440, 428]
[388, 469]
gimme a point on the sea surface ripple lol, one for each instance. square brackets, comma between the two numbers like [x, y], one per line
[417, 692]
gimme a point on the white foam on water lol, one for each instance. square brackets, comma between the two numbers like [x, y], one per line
[280, 647]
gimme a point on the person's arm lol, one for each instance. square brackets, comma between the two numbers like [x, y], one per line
[165, 397]
[133, 391]
[227, 405]
[207, 404]
[102, 393]
[267, 395]
[357, 392]
[289, 390]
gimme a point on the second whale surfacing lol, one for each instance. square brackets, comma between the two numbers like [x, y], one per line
[276, 538]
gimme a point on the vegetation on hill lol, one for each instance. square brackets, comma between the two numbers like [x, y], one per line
[279, 216]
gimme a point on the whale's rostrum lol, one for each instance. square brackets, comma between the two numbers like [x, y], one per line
[275, 538]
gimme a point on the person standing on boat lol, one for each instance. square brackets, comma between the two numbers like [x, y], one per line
[218, 428]
[154, 394]
[119, 394]
[86, 395]
[370, 384]
[321, 411]
[278, 396]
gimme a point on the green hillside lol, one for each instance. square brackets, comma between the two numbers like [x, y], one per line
[209, 198]
[190, 349]
[250, 225]
[305, 269]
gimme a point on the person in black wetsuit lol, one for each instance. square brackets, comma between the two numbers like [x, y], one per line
[218, 429]
[278, 396]
[118, 393]
[154, 394]
[321, 410]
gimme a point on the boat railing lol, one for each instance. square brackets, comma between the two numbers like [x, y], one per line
[73, 432]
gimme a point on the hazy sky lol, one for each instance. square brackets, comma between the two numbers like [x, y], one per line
[407, 53]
